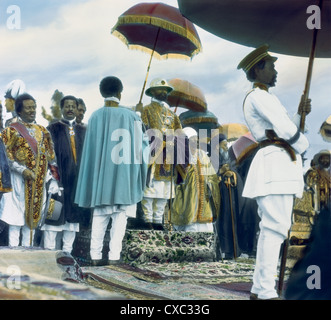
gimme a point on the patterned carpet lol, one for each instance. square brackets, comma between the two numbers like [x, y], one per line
[228, 280]
[59, 277]
[172, 265]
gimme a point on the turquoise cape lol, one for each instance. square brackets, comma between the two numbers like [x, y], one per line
[113, 167]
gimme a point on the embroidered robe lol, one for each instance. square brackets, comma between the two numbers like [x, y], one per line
[32, 151]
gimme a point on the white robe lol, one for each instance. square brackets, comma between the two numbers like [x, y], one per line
[273, 178]
[12, 205]
[272, 171]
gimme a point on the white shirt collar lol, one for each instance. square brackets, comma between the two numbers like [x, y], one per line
[112, 99]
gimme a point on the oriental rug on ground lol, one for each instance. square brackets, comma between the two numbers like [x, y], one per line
[227, 280]
[136, 284]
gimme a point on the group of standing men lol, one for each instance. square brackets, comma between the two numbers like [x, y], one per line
[43, 162]
[90, 167]
[114, 189]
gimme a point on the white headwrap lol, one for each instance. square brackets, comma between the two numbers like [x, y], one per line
[190, 132]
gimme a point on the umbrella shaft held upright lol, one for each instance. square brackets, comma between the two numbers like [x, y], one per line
[309, 73]
[149, 65]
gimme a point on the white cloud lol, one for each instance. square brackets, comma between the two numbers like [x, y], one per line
[73, 52]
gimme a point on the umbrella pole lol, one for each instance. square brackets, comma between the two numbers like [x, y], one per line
[228, 184]
[176, 108]
[309, 73]
[149, 65]
[170, 202]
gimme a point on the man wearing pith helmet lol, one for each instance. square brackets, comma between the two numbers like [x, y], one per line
[158, 116]
[275, 175]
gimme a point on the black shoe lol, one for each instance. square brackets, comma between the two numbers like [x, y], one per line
[158, 226]
[114, 262]
[253, 296]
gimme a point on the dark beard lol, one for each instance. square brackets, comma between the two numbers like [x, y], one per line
[161, 96]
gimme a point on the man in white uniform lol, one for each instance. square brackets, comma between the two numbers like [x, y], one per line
[275, 175]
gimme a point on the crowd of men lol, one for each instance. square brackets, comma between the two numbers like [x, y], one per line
[53, 178]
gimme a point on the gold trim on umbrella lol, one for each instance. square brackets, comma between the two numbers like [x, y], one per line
[190, 97]
[161, 23]
[199, 120]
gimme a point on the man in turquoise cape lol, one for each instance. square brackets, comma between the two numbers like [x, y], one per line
[113, 170]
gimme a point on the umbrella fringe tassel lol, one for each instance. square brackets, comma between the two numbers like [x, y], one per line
[181, 95]
[158, 22]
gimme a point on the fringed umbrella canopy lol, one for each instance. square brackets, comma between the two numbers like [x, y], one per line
[199, 120]
[159, 29]
[186, 95]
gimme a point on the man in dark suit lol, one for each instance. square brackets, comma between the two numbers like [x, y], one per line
[68, 138]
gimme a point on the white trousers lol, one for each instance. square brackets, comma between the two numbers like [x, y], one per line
[14, 236]
[153, 209]
[68, 239]
[117, 231]
[196, 227]
[275, 212]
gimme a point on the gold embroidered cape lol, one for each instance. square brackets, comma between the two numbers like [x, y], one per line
[156, 116]
[198, 197]
[320, 181]
[19, 150]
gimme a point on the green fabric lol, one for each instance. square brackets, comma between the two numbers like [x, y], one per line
[101, 180]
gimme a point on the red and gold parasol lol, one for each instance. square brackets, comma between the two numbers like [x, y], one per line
[159, 29]
[186, 95]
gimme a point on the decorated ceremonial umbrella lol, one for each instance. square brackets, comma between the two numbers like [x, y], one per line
[233, 131]
[325, 130]
[289, 27]
[203, 123]
[199, 120]
[186, 95]
[159, 29]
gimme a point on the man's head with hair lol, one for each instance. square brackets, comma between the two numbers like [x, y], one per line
[258, 66]
[69, 106]
[251, 73]
[81, 109]
[25, 107]
[19, 101]
[69, 97]
[111, 87]
[80, 101]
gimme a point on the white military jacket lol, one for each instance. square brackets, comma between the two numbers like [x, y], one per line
[272, 171]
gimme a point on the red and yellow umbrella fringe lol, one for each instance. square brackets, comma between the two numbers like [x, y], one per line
[157, 22]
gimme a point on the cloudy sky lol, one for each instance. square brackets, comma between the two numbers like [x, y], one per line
[67, 45]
